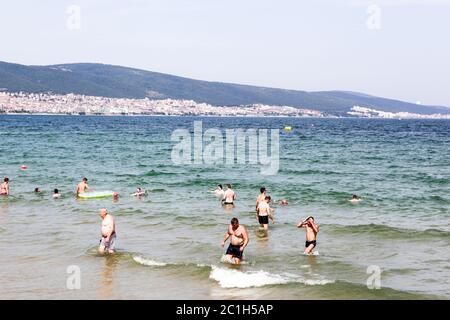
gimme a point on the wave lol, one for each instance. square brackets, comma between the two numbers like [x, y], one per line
[154, 173]
[229, 278]
[148, 262]
[308, 171]
[387, 231]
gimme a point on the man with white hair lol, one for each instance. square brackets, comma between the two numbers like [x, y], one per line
[108, 226]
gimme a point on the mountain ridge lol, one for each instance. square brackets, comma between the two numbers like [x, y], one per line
[113, 81]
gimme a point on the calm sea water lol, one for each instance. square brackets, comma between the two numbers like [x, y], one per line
[169, 242]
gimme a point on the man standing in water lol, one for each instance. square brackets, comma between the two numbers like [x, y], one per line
[82, 186]
[260, 198]
[4, 187]
[264, 212]
[229, 196]
[238, 242]
[107, 243]
[311, 233]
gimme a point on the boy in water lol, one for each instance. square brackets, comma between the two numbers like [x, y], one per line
[82, 186]
[312, 229]
[264, 213]
[56, 194]
[260, 198]
[229, 196]
[4, 187]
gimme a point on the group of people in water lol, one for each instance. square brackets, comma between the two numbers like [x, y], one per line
[236, 232]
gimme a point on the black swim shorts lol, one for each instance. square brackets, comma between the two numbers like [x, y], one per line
[308, 243]
[263, 219]
[235, 251]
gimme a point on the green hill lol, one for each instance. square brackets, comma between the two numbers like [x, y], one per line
[122, 82]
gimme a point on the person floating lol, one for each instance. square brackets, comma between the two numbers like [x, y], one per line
[37, 190]
[238, 242]
[229, 196]
[283, 202]
[355, 198]
[56, 194]
[4, 187]
[82, 186]
[311, 233]
[264, 212]
[108, 229]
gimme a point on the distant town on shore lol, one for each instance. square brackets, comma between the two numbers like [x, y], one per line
[76, 104]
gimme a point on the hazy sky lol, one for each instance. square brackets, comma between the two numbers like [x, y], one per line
[397, 49]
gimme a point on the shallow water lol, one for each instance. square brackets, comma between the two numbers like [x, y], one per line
[169, 242]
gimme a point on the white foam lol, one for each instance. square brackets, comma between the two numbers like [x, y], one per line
[228, 278]
[148, 262]
[224, 259]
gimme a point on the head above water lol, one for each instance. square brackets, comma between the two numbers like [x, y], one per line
[229, 186]
[220, 186]
[354, 196]
[56, 191]
[262, 189]
[103, 212]
[309, 218]
[234, 223]
[37, 190]
[268, 198]
[85, 179]
[6, 179]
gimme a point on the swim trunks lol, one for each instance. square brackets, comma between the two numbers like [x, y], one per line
[309, 243]
[111, 244]
[263, 219]
[235, 251]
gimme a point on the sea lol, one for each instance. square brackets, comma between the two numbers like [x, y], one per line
[392, 244]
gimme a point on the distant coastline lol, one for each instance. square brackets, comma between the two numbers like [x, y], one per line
[20, 103]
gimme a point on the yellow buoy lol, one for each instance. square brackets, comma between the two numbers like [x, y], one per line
[288, 128]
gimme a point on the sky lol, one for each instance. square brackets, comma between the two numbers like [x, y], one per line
[394, 48]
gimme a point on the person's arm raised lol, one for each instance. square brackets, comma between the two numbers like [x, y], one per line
[315, 227]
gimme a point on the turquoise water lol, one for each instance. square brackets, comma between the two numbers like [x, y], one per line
[169, 242]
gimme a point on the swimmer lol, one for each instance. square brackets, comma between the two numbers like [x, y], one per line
[238, 242]
[139, 192]
[108, 226]
[261, 197]
[311, 233]
[264, 213]
[56, 194]
[82, 186]
[229, 196]
[283, 202]
[4, 187]
[355, 198]
[219, 191]
[37, 190]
